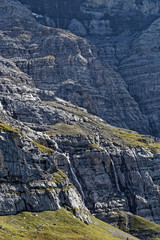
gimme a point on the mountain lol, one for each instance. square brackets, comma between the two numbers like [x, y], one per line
[59, 93]
[69, 66]
[126, 34]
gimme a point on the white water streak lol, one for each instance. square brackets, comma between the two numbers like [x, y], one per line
[113, 166]
[75, 177]
[115, 175]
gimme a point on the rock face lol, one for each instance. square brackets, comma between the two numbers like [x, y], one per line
[126, 35]
[105, 174]
[121, 11]
[43, 70]
[68, 65]
[30, 179]
[113, 178]
[141, 72]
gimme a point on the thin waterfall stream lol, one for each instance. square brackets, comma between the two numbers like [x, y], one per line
[75, 177]
[113, 166]
[115, 175]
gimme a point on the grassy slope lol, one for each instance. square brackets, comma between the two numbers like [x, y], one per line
[58, 225]
[125, 138]
[144, 227]
[136, 224]
[7, 128]
[139, 223]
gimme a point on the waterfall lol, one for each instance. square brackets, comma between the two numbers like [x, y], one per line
[1, 107]
[113, 166]
[75, 177]
[115, 175]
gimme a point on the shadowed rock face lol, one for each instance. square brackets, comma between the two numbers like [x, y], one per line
[141, 73]
[60, 11]
[120, 14]
[126, 34]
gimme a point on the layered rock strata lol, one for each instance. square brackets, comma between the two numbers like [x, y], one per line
[57, 60]
[108, 169]
[126, 34]
[30, 179]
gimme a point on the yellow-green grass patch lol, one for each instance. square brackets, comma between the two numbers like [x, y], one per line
[55, 225]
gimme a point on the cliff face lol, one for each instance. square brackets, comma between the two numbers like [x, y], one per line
[69, 66]
[30, 180]
[104, 13]
[106, 169]
[112, 175]
[141, 72]
[124, 33]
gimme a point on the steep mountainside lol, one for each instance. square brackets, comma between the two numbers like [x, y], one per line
[55, 154]
[109, 15]
[60, 61]
[126, 34]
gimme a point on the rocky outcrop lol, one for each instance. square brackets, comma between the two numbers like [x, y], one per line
[30, 179]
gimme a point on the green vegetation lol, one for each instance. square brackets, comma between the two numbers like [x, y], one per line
[136, 224]
[137, 140]
[94, 146]
[124, 138]
[62, 128]
[58, 176]
[48, 57]
[43, 149]
[5, 127]
[71, 109]
[139, 223]
[56, 225]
